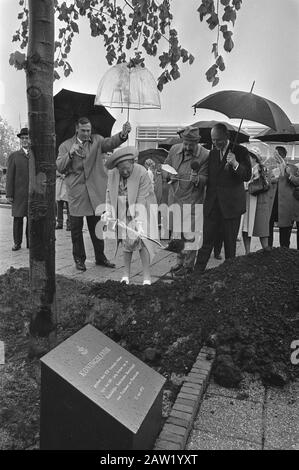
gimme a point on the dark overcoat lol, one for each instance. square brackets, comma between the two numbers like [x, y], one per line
[227, 184]
[17, 182]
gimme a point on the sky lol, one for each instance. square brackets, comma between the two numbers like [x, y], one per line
[266, 38]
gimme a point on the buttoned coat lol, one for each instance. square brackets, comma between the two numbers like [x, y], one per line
[142, 203]
[183, 193]
[288, 206]
[227, 184]
[17, 182]
[86, 178]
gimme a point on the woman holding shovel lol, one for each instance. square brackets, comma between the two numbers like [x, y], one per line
[131, 205]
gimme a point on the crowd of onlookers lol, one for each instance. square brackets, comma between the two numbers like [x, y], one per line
[241, 193]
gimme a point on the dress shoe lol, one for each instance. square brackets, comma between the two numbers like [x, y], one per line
[80, 265]
[105, 262]
[16, 247]
[217, 256]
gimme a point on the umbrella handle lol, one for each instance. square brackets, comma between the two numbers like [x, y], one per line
[237, 134]
[128, 111]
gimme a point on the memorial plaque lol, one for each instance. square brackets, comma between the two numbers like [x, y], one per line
[97, 395]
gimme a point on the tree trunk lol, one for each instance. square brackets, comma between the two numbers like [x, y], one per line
[42, 175]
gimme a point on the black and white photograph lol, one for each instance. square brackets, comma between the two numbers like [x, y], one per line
[149, 228]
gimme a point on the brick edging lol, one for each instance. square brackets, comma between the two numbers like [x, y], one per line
[179, 423]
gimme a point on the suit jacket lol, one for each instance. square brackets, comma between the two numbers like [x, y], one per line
[86, 178]
[17, 182]
[227, 185]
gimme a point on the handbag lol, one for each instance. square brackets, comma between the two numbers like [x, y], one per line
[259, 185]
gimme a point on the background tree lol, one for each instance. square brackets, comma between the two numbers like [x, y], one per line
[142, 25]
[8, 141]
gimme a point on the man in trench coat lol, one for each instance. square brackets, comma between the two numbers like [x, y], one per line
[186, 193]
[17, 188]
[81, 160]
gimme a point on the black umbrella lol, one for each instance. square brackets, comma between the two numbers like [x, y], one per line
[288, 135]
[71, 105]
[244, 105]
[205, 128]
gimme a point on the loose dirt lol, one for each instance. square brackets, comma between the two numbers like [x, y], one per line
[247, 308]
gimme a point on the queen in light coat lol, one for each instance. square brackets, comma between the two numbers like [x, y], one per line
[130, 200]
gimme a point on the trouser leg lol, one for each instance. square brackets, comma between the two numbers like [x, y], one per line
[285, 236]
[211, 226]
[297, 226]
[230, 234]
[98, 244]
[27, 233]
[77, 238]
[273, 218]
[18, 230]
[67, 213]
[271, 228]
[218, 243]
[59, 206]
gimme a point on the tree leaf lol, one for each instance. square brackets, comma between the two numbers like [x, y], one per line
[211, 73]
[237, 4]
[75, 27]
[228, 44]
[215, 81]
[215, 49]
[18, 60]
[220, 63]
[229, 15]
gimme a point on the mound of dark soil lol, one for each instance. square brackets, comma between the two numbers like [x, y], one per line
[247, 308]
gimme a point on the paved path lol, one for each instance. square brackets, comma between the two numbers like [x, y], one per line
[250, 418]
[64, 260]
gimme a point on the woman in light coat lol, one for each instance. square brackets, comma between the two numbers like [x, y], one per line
[130, 200]
[255, 222]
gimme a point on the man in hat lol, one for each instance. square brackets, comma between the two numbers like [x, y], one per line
[186, 191]
[81, 160]
[17, 188]
[225, 201]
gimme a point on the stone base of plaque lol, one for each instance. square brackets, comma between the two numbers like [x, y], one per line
[75, 414]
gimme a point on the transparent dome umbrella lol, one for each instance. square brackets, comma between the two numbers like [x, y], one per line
[128, 87]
